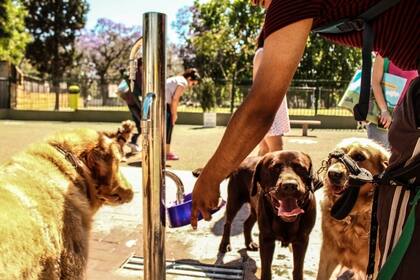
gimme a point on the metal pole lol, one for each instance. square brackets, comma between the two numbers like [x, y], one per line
[153, 164]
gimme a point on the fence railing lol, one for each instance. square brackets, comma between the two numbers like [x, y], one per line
[304, 97]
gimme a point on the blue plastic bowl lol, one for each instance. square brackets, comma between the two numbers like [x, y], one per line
[180, 214]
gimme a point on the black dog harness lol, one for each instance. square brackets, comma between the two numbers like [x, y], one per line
[357, 178]
[405, 176]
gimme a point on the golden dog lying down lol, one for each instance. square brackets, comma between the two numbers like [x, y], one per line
[345, 242]
[48, 195]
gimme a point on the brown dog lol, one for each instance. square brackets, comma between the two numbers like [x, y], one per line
[48, 195]
[279, 188]
[345, 242]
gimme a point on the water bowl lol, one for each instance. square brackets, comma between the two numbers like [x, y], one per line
[179, 211]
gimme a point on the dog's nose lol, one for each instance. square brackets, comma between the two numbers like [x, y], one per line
[335, 175]
[290, 186]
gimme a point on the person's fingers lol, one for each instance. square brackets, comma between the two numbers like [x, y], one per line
[388, 123]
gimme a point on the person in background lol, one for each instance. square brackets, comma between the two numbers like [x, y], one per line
[134, 105]
[379, 132]
[174, 89]
[273, 140]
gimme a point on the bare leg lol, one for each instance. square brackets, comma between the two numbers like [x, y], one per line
[263, 148]
[275, 143]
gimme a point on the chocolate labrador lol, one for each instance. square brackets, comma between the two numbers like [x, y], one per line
[279, 187]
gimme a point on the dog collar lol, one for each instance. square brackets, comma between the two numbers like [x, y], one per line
[77, 164]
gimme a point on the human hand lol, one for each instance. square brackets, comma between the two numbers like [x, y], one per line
[205, 197]
[385, 119]
[174, 118]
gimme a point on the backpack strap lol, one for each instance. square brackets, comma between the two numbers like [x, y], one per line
[362, 22]
[386, 65]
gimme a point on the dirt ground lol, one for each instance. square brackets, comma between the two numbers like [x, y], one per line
[117, 232]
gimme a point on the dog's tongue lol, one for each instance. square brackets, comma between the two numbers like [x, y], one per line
[289, 208]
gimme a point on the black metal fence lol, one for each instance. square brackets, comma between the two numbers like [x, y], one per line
[36, 94]
[304, 97]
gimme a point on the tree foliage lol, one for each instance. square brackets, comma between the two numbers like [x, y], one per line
[13, 37]
[324, 60]
[107, 47]
[221, 40]
[54, 25]
[206, 94]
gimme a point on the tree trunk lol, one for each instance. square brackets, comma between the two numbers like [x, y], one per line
[56, 90]
[104, 91]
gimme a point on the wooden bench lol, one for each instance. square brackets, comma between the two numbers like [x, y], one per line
[305, 124]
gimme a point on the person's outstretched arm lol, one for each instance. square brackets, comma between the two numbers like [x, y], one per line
[283, 50]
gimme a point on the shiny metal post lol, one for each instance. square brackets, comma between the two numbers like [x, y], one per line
[153, 135]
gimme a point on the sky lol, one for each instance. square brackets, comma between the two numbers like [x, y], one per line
[130, 12]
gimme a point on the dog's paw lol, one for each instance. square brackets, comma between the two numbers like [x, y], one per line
[223, 248]
[252, 246]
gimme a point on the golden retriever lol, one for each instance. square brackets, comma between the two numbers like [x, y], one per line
[48, 196]
[345, 242]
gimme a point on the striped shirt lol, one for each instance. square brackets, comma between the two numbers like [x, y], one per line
[396, 30]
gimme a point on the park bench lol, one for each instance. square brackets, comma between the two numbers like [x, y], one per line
[305, 124]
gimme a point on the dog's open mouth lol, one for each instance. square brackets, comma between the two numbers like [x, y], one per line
[338, 190]
[110, 199]
[288, 208]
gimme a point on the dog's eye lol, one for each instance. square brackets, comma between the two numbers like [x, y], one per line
[277, 167]
[359, 157]
[299, 168]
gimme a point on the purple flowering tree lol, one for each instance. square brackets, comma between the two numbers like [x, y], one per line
[106, 47]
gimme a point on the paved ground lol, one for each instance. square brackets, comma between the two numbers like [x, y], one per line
[117, 232]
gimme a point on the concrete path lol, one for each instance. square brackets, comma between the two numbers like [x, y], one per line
[117, 235]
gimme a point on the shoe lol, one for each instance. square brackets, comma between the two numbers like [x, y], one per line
[171, 156]
[134, 148]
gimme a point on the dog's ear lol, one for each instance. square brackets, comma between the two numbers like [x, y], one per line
[383, 163]
[123, 133]
[196, 172]
[314, 181]
[256, 178]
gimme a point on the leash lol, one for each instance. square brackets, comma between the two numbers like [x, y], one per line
[76, 163]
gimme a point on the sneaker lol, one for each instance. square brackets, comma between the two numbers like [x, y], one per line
[134, 148]
[171, 156]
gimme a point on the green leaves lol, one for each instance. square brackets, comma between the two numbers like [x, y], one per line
[13, 37]
[54, 25]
